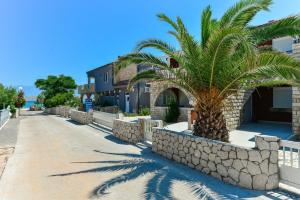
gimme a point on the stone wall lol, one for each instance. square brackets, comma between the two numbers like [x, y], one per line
[64, 111]
[129, 131]
[249, 168]
[82, 117]
[296, 110]
[233, 110]
[52, 111]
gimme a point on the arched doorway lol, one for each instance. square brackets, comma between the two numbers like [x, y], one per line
[172, 94]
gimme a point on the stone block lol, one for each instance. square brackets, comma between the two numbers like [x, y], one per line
[260, 181]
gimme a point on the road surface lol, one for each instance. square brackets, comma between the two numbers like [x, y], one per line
[57, 159]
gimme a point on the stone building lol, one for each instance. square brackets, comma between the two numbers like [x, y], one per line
[272, 104]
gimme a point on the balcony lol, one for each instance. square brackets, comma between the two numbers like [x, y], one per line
[86, 88]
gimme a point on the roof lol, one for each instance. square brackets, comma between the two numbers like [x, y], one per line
[103, 66]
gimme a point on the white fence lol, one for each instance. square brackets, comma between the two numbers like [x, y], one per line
[148, 126]
[289, 162]
[4, 116]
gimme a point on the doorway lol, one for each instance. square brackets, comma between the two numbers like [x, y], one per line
[127, 100]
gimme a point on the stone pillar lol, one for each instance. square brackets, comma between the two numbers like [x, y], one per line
[296, 110]
[268, 147]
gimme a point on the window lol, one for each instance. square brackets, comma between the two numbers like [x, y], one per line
[106, 77]
[282, 97]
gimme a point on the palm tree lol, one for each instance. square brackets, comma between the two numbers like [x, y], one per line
[227, 58]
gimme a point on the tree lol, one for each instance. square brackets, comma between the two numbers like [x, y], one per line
[57, 90]
[8, 96]
[20, 100]
[40, 98]
[227, 58]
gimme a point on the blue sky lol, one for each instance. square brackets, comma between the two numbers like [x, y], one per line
[42, 37]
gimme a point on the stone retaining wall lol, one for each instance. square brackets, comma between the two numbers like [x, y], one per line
[250, 168]
[64, 111]
[129, 131]
[52, 111]
[82, 117]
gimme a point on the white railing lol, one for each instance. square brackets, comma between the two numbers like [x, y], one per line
[289, 163]
[290, 153]
[148, 125]
[4, 116]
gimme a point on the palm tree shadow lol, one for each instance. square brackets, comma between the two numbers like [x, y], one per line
[159, 186]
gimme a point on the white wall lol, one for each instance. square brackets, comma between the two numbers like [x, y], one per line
[282, 97]
[283, 44]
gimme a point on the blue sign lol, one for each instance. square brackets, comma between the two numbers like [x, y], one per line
[88, 105]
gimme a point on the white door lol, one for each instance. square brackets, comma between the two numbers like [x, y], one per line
[127, 103]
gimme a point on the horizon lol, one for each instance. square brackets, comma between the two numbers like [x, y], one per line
[52, 38]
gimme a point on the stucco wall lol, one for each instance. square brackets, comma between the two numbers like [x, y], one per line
[250, 168]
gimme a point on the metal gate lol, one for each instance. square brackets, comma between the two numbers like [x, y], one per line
[148, 125]
[289, 162]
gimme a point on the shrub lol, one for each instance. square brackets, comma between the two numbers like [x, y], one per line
[172, 112]
[13, 109]
[145, 111]
[73, 102]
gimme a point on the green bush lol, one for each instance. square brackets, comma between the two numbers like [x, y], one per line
[58, 99]
[145, 111]
[73, 102]
[130, 114]
[172, 112]
[13, 109]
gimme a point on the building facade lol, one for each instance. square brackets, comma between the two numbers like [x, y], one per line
[109, 89]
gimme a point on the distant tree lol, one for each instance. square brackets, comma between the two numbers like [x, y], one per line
[57, 90]
[40, 98]
[8, 96]
[73, 102]
[20, 100]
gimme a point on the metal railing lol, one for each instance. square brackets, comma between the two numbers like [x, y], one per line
[4, 116]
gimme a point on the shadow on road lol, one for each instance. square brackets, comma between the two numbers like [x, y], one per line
[165, 174]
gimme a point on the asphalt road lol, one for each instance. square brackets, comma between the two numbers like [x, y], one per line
[57, 159]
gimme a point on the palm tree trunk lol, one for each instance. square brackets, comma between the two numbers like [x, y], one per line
[210, 123]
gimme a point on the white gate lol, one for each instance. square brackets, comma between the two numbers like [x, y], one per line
[148, 125]
[289, 162]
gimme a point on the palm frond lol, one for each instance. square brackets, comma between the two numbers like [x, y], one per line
[207, 25]
[165, 18]
[243, 12]
[156, 44]
[140, 58]
[289, 26]
[148, 75]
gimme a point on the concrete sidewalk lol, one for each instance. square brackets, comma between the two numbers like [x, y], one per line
[9, 133]
[56, 159]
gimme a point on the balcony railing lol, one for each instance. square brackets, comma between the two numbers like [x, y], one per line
[86, 88]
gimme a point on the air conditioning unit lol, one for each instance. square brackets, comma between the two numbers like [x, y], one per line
[147, 89]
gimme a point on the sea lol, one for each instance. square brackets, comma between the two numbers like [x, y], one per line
[28, 104]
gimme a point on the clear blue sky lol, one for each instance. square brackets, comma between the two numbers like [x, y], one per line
[42, 37]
